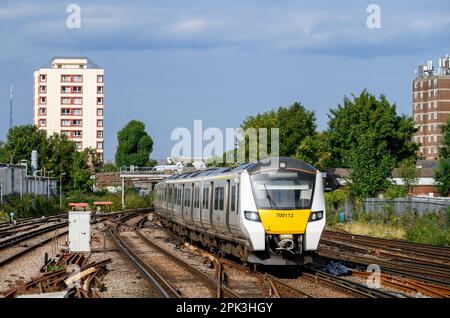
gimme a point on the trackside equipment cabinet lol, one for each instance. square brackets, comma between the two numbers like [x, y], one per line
[80, 231]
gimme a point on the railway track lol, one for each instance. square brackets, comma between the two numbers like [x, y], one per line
[169, 275]
[396, 245]
[16, 239]
[432, 273]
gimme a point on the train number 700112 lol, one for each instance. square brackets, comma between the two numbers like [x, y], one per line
[285, 215]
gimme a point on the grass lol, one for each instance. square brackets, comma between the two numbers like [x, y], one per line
[433, 229]
[371, 229]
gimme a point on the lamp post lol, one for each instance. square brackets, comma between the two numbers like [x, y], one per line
[60, 189]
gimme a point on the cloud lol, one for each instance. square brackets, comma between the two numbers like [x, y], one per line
[325, 28]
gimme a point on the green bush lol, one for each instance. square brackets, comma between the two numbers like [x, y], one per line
[426, 230]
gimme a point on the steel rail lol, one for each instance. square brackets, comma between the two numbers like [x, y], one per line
[214, 283]
[156, 280]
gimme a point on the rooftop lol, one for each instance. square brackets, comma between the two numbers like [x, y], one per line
[74, 61]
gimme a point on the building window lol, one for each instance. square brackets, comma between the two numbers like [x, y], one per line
[435, 115]
[65, 90]
[421, 84]
[43, 78]
[429, 150]
[435, 138]
[99, 145]
[43, 100]
[43, 111]
[435, 82]
[99, 89]
[65, 78]
[99, 78]
[429, 93]
[65, 111]
[435, 93]
[77, 101]
[99, 133]
[100, 123]
[429, 138]
[421, 94]
[65, 100]
[99, 100]
[77, 134]
[77, 78]
[65, 133]
[415, 84]
[435, 104]
[429, 105]
[78, 145]
[43, 89]
[429, 116]
[77, 89]
[415, 107]
[77, 112]
[65, 122]
[99, 112]
[435, 149]
[77, 122]
[421, 106]
[42, 123]
[415, 95]
[429, 83]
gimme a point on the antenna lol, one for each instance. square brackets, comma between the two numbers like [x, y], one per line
[11, 123]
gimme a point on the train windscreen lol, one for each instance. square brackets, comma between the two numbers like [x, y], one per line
[283, 190]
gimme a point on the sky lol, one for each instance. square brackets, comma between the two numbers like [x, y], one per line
[170, 62]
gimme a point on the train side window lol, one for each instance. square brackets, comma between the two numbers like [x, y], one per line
[187, 197]
[196, 197]
[205, 200]
[233, 198]
[221, 197]
[216, 198]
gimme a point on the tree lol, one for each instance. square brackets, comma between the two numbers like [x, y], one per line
[21, 140]
[56, 153]
[366, 115]
[371, 165]
[409, 174]
[135, 145]
[442, 174]
[294, 124]
[314, 150]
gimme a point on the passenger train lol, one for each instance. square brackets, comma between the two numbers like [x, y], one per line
[270, 212]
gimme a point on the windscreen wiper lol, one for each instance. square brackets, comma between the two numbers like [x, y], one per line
[271, 201]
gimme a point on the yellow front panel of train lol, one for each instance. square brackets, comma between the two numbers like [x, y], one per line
[284, 221]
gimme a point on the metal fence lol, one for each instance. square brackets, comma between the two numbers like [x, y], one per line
[13, 179]
[421, 206]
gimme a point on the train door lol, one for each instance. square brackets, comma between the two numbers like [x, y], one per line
[233, 207]
[218, 215]
[187, 204]
[196, 205]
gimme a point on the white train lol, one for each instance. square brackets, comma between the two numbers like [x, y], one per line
[270, 212]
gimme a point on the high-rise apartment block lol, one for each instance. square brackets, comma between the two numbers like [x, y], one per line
[431, 106]
[68, 99]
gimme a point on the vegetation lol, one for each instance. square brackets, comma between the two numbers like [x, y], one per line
[409, 174]
[363, 117]
[39, 206]
[134, 145]
[294, 123]
[56, 153]
[443, 172]
[314, 150]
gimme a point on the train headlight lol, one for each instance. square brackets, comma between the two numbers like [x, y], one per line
[315, 216]
[252, 216]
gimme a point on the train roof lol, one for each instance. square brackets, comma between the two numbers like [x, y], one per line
[252, 167]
